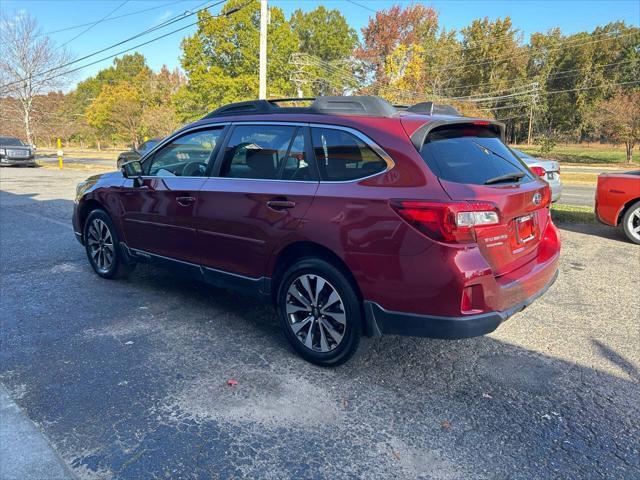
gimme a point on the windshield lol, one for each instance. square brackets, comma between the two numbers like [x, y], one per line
[520, 153]
[11, 142]
[471, 154]
[148, 145]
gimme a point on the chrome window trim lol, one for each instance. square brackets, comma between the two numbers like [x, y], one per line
[357, 133]
[261, 179]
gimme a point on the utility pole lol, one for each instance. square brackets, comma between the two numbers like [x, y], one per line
[264, 20]
[534, 98]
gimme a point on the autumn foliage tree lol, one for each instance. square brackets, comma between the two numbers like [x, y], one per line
[619, 119]
[387, 31]
[221, 59]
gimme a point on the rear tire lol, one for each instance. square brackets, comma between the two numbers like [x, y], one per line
[321, 314]
[631, 223]
[103, 248]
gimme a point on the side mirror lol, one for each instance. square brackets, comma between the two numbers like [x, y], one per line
[132, 170]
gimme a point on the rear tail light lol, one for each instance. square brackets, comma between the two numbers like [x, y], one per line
[546, 196]
[449, 222]
[541, 172]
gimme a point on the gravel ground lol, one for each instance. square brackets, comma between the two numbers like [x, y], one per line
[128, 379]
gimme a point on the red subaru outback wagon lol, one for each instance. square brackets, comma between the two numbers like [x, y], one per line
[354, 217]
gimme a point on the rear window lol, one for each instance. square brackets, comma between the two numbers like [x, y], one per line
[342, 156]
[470, 154]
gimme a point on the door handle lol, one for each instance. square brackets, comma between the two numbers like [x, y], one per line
[185, 201]
[280, 204]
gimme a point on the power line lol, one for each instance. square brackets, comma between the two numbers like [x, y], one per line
[130, 14]
[493, 41]
[362, 6]
[95, 23]
[531, 51]
[513, 117]
[66, 72]
[591, 87]
[509, 106]
[568, 43]
[313, 61]
[148, 30]
[552, 76]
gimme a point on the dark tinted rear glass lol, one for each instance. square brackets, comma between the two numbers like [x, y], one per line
[342, 156]
[469, 154]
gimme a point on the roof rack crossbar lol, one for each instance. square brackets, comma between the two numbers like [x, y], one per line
[347, 105]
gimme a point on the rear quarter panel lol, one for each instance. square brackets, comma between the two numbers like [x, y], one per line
[614, 191]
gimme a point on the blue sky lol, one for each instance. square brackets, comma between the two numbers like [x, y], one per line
[529, 16]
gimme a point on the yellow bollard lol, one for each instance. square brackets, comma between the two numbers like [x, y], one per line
[60, 153]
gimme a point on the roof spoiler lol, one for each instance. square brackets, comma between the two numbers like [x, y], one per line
[420, 135]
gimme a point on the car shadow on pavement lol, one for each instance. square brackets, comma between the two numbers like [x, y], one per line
[129, 379]
[600, 230]
[617, 359]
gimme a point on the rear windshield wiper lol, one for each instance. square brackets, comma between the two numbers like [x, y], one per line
[509, 177]
[502, 157]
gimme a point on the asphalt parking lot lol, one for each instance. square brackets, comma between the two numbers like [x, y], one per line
[128, 378]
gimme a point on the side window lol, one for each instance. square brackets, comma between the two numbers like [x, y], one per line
[186, 156]
[266, 152]
[342, 156]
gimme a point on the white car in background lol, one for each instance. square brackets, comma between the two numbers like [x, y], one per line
[549, 170]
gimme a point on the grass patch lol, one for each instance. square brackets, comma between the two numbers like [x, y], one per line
[88, 153]
[585, 154]
[579, 178]
[572, 214]
[77, 166]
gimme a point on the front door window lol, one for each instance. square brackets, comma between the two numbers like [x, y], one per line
[186, 156]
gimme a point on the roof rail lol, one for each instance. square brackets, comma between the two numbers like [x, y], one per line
[431, 108]
[347, 105]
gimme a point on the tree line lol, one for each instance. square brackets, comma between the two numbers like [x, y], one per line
[583, 86]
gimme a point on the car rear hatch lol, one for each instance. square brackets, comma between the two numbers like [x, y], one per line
[474, 166]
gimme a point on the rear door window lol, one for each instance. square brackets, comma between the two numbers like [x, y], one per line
[341, 156]
[470, 154]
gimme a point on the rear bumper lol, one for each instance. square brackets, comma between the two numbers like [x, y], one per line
[384, 322]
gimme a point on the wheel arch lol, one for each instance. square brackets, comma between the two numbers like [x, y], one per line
[624, 209]
[85, 209]
[304, 248]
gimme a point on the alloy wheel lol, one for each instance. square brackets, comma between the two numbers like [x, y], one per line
[316, 313]
[100, 245]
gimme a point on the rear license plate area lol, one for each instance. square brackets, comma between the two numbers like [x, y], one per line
[550, 176]
[525, 229]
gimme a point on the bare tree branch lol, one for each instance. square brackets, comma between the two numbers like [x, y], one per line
[24, 55]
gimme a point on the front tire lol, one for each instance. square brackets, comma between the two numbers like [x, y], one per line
[631, 223]
[320, 312]
[102, 245]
